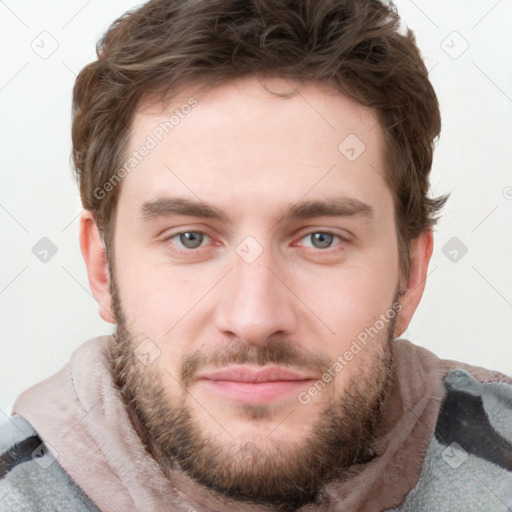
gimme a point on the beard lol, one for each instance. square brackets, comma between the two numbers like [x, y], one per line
[282, 476]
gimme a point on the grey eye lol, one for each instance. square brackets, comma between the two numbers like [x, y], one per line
[191, 239]
[321, 240]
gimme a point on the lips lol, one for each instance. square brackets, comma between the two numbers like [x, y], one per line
[256, 384]
[256, 375]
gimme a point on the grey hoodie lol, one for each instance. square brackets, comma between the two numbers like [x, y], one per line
[444, 444]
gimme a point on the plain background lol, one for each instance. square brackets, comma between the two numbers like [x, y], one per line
[46, 309]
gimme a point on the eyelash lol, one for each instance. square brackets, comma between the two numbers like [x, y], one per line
[324, 232]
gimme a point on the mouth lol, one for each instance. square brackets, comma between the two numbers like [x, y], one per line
[255, 384]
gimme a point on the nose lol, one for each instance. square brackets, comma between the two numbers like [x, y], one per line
[256, 302]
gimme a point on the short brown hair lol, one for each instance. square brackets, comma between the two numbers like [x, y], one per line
[354, 45]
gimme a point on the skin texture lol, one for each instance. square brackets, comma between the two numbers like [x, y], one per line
[279, 297]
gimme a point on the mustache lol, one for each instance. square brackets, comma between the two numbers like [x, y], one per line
[278, 352]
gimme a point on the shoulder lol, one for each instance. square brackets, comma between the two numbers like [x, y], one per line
[422, 358]
[468, 464]
[477, 416]
[31, 478]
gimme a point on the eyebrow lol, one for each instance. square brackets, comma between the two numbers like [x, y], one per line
[333, 207]
[167, 206]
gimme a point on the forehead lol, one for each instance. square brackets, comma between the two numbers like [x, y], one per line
[241, 141]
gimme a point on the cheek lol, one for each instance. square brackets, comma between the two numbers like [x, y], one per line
[150, 298]
[149, 279]
[167, 306]
[348, 300]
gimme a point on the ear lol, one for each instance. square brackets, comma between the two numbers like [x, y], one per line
[93, 252]
[421, 251]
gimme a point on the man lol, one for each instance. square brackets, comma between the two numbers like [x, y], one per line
[258, 228]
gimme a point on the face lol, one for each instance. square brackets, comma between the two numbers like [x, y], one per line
[254, 283]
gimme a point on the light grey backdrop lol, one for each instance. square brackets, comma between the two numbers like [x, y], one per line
[46, 309]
